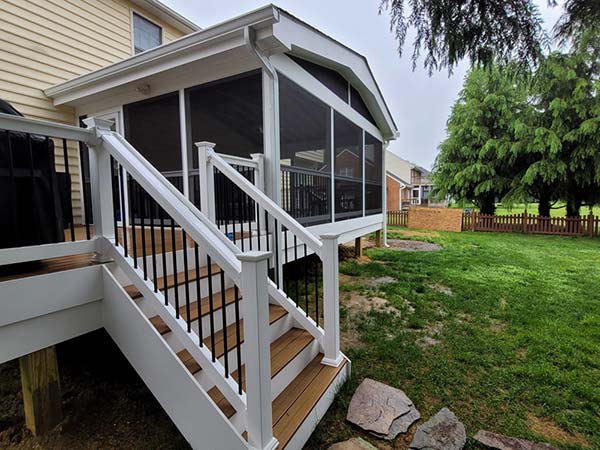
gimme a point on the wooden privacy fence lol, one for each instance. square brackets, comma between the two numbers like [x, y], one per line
[524, 223]
[397, 218]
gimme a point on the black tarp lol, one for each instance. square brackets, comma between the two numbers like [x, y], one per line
[30, 203]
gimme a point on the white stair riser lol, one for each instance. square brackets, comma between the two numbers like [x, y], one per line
[294, 368]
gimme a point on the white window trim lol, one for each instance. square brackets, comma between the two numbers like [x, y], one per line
[133, 11]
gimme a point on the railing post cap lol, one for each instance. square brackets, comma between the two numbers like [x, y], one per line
[99, 124]
[205, 144]
[253, 256]
[330, 236]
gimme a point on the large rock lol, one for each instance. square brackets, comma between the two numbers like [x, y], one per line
[375, 406]
[442, 432]
[500, 442]
[403, 423]
[352, 444]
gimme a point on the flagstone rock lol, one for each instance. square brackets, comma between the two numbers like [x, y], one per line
[352, 444]
[442, 432]
[499, 442]
[403, 423]
[375, 406]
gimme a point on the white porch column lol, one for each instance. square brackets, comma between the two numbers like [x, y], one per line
[184, 144]
[206, 180]
[331, 301]
[101, 182]
[257, 344]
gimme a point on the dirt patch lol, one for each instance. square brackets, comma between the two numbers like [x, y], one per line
[413, 246]
[498, 327]
[430, 338]
[363, 304]
[551, 431]
[412, 233]
[442, 289]
[376, 282]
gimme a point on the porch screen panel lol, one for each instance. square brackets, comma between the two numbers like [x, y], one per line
[305, 136]
[373, 175]
[152, 127]
[229, 113]
[348, 168]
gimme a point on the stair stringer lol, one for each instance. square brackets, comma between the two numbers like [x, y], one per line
[187, 404]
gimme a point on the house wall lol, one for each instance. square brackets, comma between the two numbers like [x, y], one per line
[45, 42]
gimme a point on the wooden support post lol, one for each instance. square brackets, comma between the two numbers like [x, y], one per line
[358, 248]
[41, 390]
[378, 238]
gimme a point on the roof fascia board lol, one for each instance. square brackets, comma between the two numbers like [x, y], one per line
[292, 70]
[306, 40]
[167, 14]
[129, 69]
[398, 179]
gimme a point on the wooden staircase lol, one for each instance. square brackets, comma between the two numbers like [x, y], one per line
[299, 379]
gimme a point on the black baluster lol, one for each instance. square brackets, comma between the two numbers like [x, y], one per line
[143, 195]
[305, 267]
[211, 308]
[122, 209]
[198, 295]
[276, 252]
[68, 175]
[87, 211]
[187, 282]
[164, 254]
[13, 185]
[296, 275]
[174, 253]
[238, 338]
[153, 242]
[131, 183]
[114, 196]
[224, 317]
[317, 265]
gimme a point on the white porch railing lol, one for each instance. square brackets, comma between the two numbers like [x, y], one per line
[110, 157]
[283, 228]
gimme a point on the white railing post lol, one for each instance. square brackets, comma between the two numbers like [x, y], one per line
[259, 182]
[257, 343]
[331, 301]
[101, 182]
[206, 180]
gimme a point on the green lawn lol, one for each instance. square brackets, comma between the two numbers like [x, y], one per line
[519, 336]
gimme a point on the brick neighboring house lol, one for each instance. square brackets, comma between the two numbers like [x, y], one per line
[407, 184]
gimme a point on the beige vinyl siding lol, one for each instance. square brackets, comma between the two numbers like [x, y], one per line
[46, 42]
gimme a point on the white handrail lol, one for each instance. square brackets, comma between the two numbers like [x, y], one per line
[44, 128]
[265, 202]
[169, 198]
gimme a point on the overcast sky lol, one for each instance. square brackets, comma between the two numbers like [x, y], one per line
[420, 104]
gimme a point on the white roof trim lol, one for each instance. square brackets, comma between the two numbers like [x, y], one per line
[167, 14]
[68, 90]
[286, 33]
[398, 179]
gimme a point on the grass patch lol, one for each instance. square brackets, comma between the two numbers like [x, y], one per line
[517, 318]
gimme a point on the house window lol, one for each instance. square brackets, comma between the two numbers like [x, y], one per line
[146, 35]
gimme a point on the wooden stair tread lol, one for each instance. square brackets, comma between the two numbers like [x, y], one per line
[46, 266]
[134, 292]
[283, 351]
[205, 304]
[276, 312]
[293, 405]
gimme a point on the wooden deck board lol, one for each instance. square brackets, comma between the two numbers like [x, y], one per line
[46, 266]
